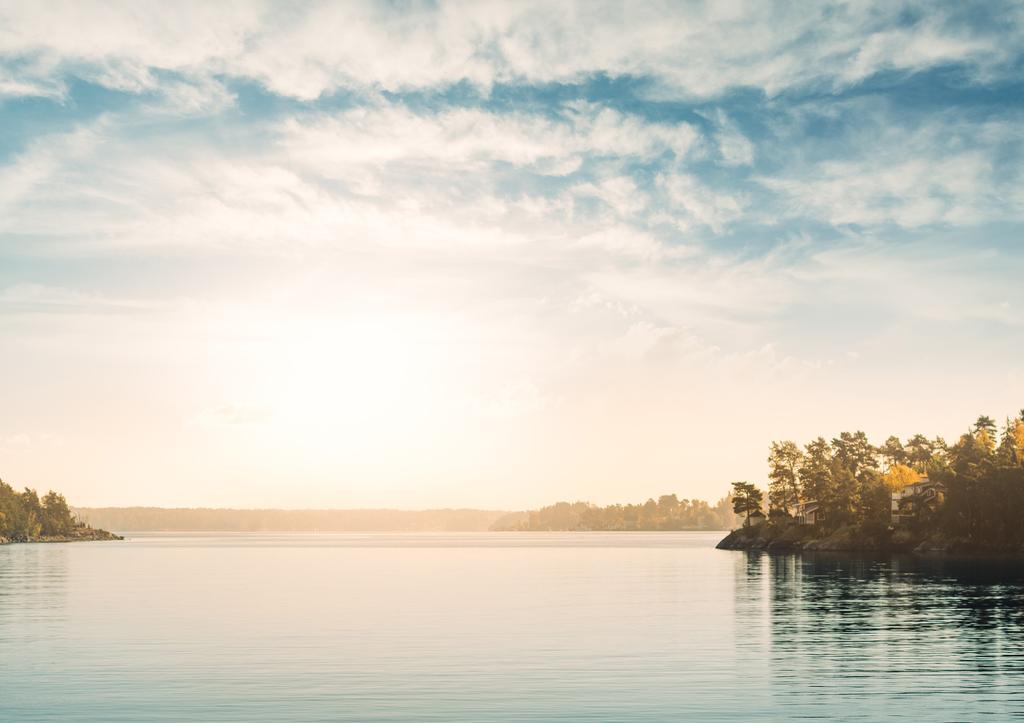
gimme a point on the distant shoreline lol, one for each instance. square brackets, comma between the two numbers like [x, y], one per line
[213, 519]
[668, 514]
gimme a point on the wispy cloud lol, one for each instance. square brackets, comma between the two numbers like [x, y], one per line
[518, 242]
[696, 49]
[946, 169]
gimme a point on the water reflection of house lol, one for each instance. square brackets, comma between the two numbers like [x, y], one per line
[909, 502]
[808, 513]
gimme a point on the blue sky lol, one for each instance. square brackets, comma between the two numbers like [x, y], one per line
[417, 254]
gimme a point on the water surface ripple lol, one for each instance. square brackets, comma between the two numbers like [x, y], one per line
[502, 627]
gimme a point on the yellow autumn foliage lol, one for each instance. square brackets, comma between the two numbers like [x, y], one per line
[899, 476]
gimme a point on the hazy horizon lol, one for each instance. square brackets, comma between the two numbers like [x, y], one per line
[493, 256]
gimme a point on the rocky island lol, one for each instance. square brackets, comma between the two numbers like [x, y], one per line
[924, 496]
[24, 517]
[794, 537]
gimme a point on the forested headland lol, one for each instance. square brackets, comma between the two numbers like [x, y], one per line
[668, 512]
[24, 517]
[920, 494]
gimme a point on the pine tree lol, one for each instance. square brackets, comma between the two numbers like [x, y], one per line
[783, 475]
[746, 499]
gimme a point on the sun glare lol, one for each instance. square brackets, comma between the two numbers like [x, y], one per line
[325, 384]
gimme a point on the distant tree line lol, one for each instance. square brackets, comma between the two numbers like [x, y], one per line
[23, 516]
[667, 513]
[851, 480]
[161, 519]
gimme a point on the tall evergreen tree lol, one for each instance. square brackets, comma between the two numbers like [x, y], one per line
[854, 452]
[892, 452]
[784, 460]
[746, 499]
[987, 424]
[920, 451]
[816, 471]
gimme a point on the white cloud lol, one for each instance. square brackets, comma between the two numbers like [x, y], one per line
[16, 85]
[119, 43]
[392, 133]
[910, 282]
[736, 148]
[306, 50]
[15, 441]
[693, 204]
[619, 193]
[938, 172]
[380, 175]
[925, 44]
[41, 162]
[621, 241]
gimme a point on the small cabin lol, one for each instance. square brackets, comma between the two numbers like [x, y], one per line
[756, 518]
[910, 501]
[808, 513]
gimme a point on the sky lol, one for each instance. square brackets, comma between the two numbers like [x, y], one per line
[497, 254]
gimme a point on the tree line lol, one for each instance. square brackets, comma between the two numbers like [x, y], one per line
[160, 519]
[24, 516]
[852, 480]
[668, 512]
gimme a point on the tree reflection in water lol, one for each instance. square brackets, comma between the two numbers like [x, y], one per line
[900, 637]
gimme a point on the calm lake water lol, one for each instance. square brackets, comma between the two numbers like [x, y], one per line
[513, 626]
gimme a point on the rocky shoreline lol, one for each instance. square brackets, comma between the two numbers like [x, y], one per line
[793, 537]
[85, 534]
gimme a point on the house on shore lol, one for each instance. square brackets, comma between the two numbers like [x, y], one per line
[756, 518]
[909, 502]
[808, 513]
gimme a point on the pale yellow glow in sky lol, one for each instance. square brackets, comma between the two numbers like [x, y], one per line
[258, 406]
[495, 255]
